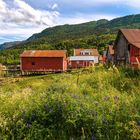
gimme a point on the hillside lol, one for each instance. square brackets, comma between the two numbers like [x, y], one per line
[94, 34]
[9, 45]
[101, 106]
[99, 27]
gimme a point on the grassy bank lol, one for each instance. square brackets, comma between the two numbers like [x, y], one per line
[98, 104]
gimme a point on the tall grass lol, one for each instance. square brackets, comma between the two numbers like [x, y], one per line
[96, 103]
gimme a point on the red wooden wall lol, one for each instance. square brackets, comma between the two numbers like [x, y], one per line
[134, 52]
[79, 64]
[43, 64]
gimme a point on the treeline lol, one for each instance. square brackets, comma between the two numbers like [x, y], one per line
[12, 56]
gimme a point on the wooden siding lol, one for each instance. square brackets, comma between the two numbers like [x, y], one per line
[121, 50]
[43, 64]
[134, 53]
[80, 64]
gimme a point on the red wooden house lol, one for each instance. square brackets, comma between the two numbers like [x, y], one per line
[127, 47]
[83, 58]
[43, 60]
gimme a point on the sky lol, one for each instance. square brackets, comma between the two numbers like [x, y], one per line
[19, 19]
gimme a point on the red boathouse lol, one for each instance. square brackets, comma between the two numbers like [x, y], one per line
[43, 61]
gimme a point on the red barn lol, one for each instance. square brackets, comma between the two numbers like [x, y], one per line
[43, 60]
[127, 47]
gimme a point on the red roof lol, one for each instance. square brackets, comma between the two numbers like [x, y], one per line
[136, 45]
[132, 36]
[44, 53]
[94, 52]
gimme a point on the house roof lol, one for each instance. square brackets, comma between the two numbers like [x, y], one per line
[94, 52]
[132, 36]
[82, 58]
[44, 53]
[136, 44]
[111, 50]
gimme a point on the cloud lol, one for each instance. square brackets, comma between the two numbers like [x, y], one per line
[18, 18]
[22, 13]
[54, 6]
[133, 3]
[21, 19]
[81, 18]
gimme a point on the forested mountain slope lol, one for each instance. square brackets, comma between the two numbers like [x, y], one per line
[86, 35]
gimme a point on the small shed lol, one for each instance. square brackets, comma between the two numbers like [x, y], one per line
[110, 55]
[84, 58]
[127, 47]
[43, 61]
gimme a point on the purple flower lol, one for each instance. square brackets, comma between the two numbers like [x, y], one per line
[106, 98]
[116, 99]
[93, 138]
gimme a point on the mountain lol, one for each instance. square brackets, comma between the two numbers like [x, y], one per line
[89, 28]
[96, 34]
[9, 44]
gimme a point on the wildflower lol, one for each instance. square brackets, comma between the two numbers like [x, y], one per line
[50, 111]
[93, 138]
[116, 99]
[106, 98]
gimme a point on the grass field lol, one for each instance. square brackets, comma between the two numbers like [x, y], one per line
[91, 104]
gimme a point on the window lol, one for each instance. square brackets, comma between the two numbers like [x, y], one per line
[33, 63]
[87, 53]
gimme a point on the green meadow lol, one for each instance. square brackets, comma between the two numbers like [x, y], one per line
[89, 104]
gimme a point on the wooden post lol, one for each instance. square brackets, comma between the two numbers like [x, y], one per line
[138, 63]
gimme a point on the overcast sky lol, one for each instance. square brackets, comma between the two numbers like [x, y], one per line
[19, 19]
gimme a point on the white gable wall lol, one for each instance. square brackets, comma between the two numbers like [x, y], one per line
[85, 58]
